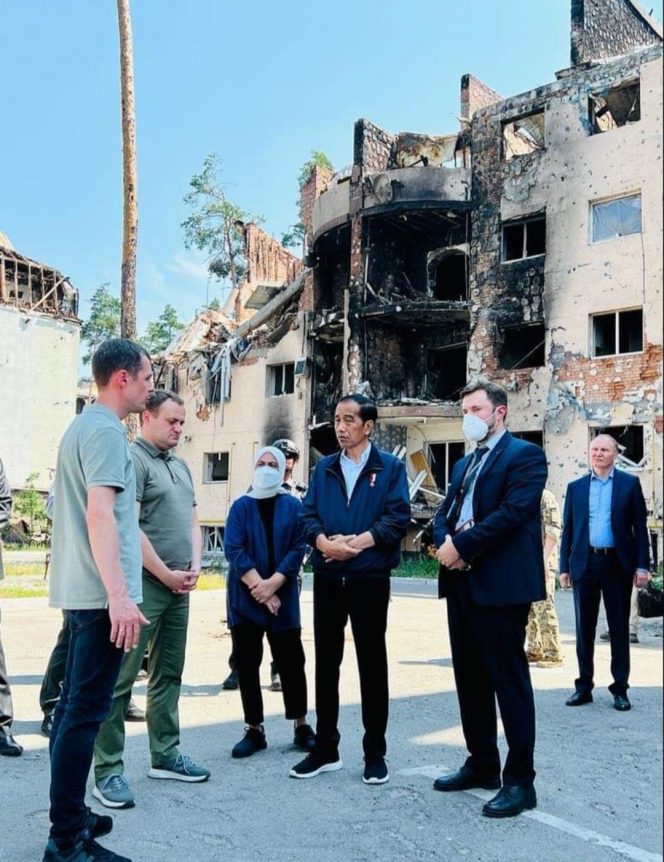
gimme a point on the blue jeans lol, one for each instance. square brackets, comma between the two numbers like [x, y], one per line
[93, 664]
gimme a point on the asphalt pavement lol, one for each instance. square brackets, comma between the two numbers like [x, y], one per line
[599, 780]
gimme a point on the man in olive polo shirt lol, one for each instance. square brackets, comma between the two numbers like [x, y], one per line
[171, 548]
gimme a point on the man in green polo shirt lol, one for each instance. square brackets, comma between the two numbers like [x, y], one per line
[171, 549]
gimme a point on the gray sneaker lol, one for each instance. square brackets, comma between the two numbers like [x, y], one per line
[114, 792]
[180, 768]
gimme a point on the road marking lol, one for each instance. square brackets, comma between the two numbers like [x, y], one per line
[589, 835]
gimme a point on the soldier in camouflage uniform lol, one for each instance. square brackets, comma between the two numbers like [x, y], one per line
[543, 635]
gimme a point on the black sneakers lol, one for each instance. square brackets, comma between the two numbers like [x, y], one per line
[85, 849]
[315, 763]
[304, 737]
[252, 741]
[231, 683]
[375, 771]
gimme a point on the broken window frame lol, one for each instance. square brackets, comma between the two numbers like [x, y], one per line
[598, 206]
[599, 107]
[448, 467]
[617, 333]
[511, 330]
[618, 431]
[522, 222]
[525, 135]
[209, 467]
[439, 351]
[278, 378]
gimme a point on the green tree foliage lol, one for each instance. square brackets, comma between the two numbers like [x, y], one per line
[103, 322]
[296, 234]
[160, 332]
[29, 502]
[215, 225]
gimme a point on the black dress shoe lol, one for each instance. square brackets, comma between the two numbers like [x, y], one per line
[579, 698]
[465, 779]
[9, 747]
[510, 801]
[621, 702]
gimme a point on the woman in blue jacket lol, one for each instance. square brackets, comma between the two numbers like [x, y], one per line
[264, 545]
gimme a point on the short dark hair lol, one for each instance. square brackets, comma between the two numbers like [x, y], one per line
[368, 410]
[117, 354]
[496, 393]
[161, 396]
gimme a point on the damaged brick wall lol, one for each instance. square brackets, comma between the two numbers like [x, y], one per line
[268, 262]
[608, 28]
[372, 147]
[318, 182]
[475, 94]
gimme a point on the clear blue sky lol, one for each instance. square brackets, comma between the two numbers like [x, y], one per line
[261, 83]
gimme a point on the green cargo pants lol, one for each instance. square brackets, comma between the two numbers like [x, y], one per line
[166, 639]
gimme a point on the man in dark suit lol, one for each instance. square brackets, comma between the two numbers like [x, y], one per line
[488, 534]
[604, 551]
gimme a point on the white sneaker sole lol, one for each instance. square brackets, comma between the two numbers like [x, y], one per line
[376, 780]
[166, 774]
[108, 803]
[326, 767]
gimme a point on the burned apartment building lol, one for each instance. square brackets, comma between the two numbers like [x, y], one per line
[526, 247]
[39, 335]
[241, 371]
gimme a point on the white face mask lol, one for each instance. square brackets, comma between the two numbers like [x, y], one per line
[476, 429]
[266, 478]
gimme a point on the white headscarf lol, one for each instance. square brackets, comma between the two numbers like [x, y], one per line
[260, 488]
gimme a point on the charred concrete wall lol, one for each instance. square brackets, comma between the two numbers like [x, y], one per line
[609, 28]
[577, 277]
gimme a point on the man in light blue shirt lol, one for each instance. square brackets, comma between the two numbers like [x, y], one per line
[599, 510]
[466, 511]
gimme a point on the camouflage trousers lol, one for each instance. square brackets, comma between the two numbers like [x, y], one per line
[542, 632]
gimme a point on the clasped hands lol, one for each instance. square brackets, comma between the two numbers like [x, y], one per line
[448, 556]
[180, 581]
[264, 592]
[338, 547]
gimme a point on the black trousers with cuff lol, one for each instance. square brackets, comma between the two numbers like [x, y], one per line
[365, 601]
[288, 654]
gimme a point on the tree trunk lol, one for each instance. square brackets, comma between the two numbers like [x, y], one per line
[130, 227]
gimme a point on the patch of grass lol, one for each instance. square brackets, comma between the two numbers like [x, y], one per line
[211, 579]
[417, 567]
[23, 580]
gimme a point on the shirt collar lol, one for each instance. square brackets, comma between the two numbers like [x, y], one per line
[364, 457]
[152, 450]
[493, 441]
[594, 475]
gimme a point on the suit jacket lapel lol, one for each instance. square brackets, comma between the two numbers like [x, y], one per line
[615, 491]
[492, 457]
[584, 504]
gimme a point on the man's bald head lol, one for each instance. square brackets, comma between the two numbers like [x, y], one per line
[607, 438]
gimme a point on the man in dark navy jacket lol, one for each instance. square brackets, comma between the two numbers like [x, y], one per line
[604, 551]
[356, 512]
[488, 534]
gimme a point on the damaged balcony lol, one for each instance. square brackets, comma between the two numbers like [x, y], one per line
[35, 287]
[417, 269]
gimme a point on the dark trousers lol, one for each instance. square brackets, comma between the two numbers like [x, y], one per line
[93, 663]
[366, 603]
[490, 663]
[287, 650]
[604, 577]
[6, 709]
[55, 671]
